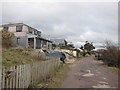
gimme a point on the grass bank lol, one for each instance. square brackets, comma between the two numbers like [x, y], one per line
[15, 56]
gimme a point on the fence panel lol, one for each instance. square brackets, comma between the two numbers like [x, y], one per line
[24, 75]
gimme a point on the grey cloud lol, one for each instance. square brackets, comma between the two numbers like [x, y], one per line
[77, 22]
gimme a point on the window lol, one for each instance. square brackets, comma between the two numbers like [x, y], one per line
[18, 40]
[5, 28]
[39, 33]
[30, 30]
[35, 32]
[19, 28]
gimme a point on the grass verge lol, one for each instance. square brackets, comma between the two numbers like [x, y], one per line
[112, 68]
[56, 79]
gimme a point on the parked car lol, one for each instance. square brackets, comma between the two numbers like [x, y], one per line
[99, 56]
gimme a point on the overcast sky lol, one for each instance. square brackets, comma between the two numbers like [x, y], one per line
[77, 22]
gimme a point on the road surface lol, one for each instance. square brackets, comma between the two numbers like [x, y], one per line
[90, 73]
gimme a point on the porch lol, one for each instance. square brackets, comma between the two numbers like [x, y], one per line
[37, 43]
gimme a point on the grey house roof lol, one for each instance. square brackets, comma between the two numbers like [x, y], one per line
[13, 24]
[58, 41]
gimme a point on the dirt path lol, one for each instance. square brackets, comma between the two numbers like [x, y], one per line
[89, 73]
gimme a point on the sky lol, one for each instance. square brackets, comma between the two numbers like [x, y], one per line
[77, 22]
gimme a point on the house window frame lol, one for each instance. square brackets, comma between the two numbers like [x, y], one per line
[18, 40]
[30, 30]
[19, 28]
[35, 32]
[39, 33]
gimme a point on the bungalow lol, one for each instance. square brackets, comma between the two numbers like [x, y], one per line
[61, 42]
[27, 36]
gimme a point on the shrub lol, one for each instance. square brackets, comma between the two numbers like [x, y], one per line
[6, 38]
[110, 55]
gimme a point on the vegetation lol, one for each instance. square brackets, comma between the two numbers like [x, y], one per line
[7, 38]
[70, 46]
[55, 80]
[16, 56]
[87, 48]
[113, 68]
[110, 55]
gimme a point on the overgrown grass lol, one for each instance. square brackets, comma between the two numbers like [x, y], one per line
[56, 79]
[12, 57]
[112, 68]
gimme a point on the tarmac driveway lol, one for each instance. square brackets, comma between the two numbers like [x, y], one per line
[90, 73]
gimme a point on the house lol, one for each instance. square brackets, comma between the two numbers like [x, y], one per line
[76, 52]
[60, 42]
[27, 36]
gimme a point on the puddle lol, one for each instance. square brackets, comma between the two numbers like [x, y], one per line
[104, 78]
[98, 72]
[88, 74]
[101, 86]
[77, 74]
[105, 83]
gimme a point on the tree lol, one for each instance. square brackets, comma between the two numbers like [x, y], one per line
[87, 48]
[6, 38]
[70, 46]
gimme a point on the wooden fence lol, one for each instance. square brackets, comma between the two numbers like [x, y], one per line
[23, 76]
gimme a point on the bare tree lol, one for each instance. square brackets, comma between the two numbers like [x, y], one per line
[110, 55]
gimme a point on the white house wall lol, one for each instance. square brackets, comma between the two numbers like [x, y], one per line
[74, 53]
[19, 34]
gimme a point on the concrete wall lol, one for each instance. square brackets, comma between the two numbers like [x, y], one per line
[23, 40]
[21, 35]
[43, 44]
[17, 34]
[38, 44]
[75, 53]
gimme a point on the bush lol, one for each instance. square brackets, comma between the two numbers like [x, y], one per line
[110, 55]
[7, 38]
